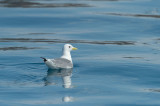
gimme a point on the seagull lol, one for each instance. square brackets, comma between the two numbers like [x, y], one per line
[65, 61]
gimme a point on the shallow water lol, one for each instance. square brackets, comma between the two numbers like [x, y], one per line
[117, 61]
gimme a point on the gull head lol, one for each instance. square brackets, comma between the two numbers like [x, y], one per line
[69, 47]
[66, 51]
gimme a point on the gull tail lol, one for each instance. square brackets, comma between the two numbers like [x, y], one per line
[44, 59]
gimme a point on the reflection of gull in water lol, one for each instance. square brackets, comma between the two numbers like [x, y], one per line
[65, 61]
[67, 99]
[64, 73]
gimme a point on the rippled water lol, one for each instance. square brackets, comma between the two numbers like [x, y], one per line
[117, 61]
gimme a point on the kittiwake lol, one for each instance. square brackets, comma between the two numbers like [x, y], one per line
[65, 61]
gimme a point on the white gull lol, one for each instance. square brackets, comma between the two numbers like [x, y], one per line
[65, 61]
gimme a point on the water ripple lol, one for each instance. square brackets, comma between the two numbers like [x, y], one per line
[134, 15]
[29, 4]
[18, 48]
[66, 41]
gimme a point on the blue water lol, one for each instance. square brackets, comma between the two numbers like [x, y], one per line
[117, 61]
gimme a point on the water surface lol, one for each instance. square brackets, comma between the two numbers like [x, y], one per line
[117, 61]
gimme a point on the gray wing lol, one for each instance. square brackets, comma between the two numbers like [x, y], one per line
[62, 63]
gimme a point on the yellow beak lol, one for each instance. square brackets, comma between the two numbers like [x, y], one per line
[74, 48]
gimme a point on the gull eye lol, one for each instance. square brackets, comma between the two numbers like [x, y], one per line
[69, 46]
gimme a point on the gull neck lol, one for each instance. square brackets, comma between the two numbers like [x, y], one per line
[66, 55]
